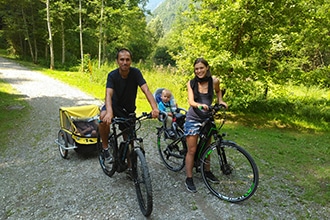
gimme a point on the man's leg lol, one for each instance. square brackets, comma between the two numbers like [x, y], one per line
[104, 131]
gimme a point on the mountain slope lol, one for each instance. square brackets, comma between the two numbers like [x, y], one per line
[168, 10]
[153, 4]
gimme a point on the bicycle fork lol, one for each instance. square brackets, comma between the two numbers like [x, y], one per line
[225, 167]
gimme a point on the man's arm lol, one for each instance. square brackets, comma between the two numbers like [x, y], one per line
[151, 100]
[108, 104]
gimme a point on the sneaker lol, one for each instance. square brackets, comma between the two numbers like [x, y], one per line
[108, 159]
[190, 185]
[209, 175]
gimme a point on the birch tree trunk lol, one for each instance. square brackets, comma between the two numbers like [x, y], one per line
[51, 49]
[101, 35]
[63, 42]
[81, 38]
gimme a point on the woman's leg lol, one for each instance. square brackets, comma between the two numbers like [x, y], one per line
[192, 146]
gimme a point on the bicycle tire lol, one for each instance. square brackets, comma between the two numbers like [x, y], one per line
[172, 151]
[113, 152]
[63, 141]
[237, 173]
[142, 181]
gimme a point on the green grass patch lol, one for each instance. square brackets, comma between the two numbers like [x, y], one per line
[13, 108]
[300, 157]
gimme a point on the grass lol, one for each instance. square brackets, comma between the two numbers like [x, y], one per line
[291, 146]
[13, 108]
[300, 157]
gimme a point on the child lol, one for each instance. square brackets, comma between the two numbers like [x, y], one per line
[166, 105]
[86, 128]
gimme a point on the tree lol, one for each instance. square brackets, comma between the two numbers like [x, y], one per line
[81, 37]
[50, 36]
[247, 41]
[155, 26]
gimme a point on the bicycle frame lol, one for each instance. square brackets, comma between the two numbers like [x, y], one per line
[208, 130]
[138, 171]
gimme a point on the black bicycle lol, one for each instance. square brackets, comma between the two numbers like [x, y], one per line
[234, 167]
[133, 145]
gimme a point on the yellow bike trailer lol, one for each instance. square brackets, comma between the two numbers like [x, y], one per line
[79, 129]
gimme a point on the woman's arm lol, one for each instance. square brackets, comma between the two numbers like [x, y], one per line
[216, 86]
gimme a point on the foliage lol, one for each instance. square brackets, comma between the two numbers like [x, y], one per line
[25, 31]
[161, 56]
[247, 42]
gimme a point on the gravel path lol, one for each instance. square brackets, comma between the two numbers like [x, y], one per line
[36, 183]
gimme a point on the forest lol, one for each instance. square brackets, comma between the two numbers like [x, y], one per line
[254, 47]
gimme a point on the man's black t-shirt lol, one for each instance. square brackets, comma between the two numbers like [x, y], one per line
[125, 90]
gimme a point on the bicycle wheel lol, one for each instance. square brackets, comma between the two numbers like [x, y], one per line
[142, 181]
[234, 168]
[111, 168]
[62, 142]
[172, 151]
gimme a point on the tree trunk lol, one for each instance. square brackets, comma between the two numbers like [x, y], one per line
[63, 43]
[27, 37]
[100, 36]
[81, 38]
[50, 37]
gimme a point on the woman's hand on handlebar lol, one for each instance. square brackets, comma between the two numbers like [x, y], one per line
[223, 104]
[203, 107]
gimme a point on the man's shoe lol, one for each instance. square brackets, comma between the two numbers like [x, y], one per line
[108, 160]
[209, 175]
[190, 185]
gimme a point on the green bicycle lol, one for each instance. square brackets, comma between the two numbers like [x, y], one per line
[231, 164]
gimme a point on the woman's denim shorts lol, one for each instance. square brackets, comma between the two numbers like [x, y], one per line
[192, 127]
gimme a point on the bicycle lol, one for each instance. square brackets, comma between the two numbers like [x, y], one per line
[176, 148]
[234, 167]
[133, 145]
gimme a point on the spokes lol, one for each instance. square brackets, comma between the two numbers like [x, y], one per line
[235, 169]
[172, 151]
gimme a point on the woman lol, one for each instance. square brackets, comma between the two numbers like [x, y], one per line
[200, 95]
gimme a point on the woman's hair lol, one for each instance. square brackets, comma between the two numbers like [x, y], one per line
[202, 60]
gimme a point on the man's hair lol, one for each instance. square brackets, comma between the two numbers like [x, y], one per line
[121, 50]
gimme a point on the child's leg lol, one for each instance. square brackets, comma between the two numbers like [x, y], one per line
[169, 122]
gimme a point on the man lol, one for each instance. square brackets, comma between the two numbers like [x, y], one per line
[121, 91]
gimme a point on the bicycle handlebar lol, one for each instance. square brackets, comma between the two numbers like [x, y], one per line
[217, 107]
[132, 116]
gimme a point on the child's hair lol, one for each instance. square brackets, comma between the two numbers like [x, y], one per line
[167, 91]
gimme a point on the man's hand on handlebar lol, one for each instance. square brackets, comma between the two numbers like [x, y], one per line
[155, 113]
